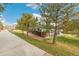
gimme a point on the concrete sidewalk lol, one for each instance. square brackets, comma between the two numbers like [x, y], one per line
[11, 45]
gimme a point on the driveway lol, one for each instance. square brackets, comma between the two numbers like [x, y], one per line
[11, 45]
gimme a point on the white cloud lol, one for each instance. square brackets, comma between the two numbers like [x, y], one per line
[9, 24]
[32, 5]
[2, 19]
[36, 15]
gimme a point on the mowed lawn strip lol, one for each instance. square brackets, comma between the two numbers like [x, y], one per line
[68, 40]
[52, 49]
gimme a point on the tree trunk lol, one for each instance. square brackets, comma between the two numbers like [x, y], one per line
[27, 33]
[55, 34]
[27, 29]
[78, 32]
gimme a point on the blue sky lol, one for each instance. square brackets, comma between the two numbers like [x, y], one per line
[14, 11]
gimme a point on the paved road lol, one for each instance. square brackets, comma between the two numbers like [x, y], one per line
[11, 45]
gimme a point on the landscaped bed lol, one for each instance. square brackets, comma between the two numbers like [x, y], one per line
[48, 47]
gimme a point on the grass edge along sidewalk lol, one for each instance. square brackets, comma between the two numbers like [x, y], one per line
[49, 48]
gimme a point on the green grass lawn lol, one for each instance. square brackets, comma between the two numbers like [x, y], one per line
[50, 48]
[68, 40]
